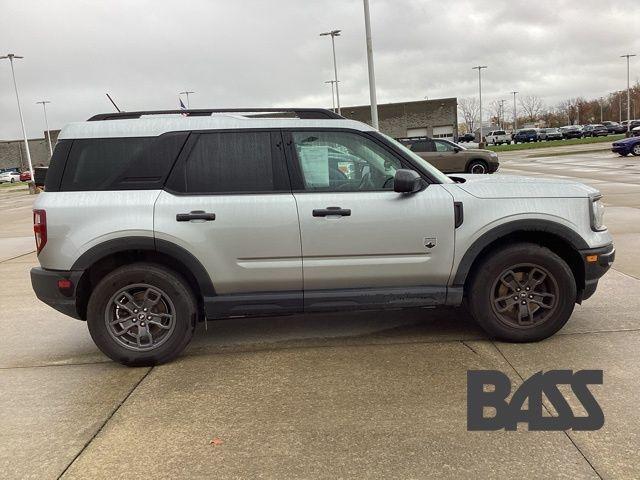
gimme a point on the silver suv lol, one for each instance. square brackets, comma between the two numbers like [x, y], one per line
[153, 221]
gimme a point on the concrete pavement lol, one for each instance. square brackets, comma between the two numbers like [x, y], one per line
[369, 394]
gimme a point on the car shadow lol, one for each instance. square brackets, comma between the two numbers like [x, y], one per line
[334, 329]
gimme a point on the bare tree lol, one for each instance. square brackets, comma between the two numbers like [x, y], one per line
[532, 106]
[495, 111]
[469, 109]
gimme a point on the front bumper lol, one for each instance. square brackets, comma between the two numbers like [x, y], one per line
[45, 285]
[620, 149]
[597, 262]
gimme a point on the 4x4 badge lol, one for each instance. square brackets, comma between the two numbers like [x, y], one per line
[430, 242]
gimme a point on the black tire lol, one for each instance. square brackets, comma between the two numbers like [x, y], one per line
[508, 143]
[477, 166]
[486, 288]
[636, 149]
[179, 297]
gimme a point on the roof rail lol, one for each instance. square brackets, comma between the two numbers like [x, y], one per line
[302, 113]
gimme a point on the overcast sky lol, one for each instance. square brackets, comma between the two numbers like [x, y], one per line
[237, 53]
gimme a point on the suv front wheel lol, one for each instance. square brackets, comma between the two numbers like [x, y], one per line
[141, 314]
[522, 293]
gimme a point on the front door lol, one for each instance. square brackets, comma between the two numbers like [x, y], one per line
[357, 233]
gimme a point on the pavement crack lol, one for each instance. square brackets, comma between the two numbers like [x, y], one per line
[17, 256]
[109, 417]
[469, 347]
[566, 432]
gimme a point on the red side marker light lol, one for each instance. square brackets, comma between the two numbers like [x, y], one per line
[64, 284]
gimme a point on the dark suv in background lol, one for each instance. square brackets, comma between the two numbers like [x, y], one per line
[596, 130]
[614, 127]
[571, 131]
[525, 135]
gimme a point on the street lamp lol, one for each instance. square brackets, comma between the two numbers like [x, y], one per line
[372, 75]
[515, 116]
[46, 123]
[628, 56]
[333, 34]
[186, 92]
[479, 68]
[11, 56]
[333, 98]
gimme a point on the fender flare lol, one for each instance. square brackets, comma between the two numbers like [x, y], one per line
[527, 225]
[179, 254]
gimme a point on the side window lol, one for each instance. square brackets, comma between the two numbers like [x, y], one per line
[134, 163]
[229, 162]
[422, 146]
[443, 146]
[343, 161]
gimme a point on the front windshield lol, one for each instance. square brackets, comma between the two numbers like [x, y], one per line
[435, 173]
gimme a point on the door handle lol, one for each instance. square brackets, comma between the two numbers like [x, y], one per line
[330, 211]
[195, 215]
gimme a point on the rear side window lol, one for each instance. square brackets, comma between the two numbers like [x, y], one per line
[140, 163]
[56, 165]
[232, 162]
[422, 146]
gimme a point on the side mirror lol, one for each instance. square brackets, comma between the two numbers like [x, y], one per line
[407, 181]
[456, 149]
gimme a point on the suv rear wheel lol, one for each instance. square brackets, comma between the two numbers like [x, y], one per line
[522, 293]
[141, 314]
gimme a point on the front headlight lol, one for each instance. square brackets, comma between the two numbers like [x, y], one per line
[597, 213]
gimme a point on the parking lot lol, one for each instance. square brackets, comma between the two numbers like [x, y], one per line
[377, 395]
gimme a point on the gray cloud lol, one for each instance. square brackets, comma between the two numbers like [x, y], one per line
[268, 53]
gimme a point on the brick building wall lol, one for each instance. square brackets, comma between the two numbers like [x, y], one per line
[403, 119]
[12, 152]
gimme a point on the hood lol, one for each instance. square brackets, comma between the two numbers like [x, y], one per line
[627, 140]
[508, 186]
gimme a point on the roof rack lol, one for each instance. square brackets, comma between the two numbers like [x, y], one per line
[302, 113]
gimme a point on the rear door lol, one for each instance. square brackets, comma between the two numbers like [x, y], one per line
[228, 202]
[357, 233]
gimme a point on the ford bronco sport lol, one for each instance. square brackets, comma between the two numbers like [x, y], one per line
[152, 221]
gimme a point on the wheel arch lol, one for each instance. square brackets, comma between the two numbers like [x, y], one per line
[560, 239]
[107, 256]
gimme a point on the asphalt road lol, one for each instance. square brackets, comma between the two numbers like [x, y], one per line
[376, 395]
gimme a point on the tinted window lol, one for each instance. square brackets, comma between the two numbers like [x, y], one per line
[121, 163]
[56, 165]
[234, 162]
[422, 146]
[343, 161]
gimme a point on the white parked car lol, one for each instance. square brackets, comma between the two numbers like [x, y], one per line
[10, 177]
[498, 137]
[149, 224]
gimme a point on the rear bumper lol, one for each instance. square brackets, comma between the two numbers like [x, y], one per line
[594, 270]
[45, 286]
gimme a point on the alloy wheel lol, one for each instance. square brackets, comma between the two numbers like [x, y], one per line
[140, 317]
[524, 296]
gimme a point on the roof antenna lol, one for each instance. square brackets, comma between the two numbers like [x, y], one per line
[114, 103]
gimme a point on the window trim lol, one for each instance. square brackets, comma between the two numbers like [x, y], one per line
[295, 170]
[276, 149]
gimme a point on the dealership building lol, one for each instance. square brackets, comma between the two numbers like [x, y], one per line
[433, 118]
[14, 155]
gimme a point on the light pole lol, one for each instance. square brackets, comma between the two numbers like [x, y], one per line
[46, 124]
[628, 56]
[515, 117]
[501, 125]
[372, 75]
[479, 68]
[187, 93]
[333, 98]
[600, 102]
[334, 34]
[11, 56]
